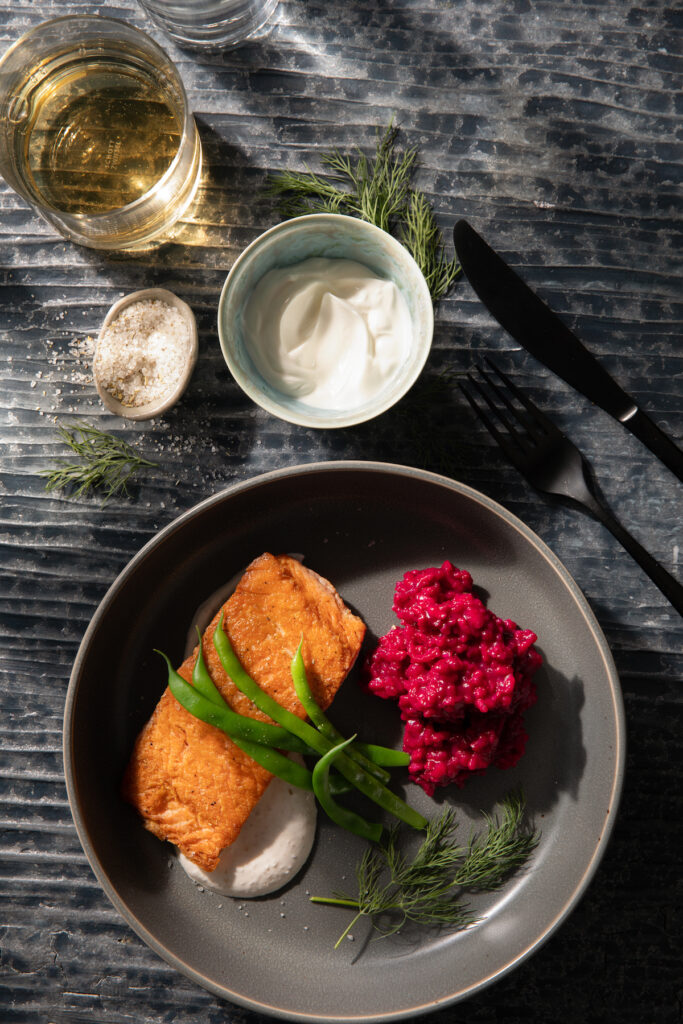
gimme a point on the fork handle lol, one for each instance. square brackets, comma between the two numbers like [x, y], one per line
[668, 585]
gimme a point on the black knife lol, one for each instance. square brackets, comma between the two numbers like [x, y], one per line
[534, 325]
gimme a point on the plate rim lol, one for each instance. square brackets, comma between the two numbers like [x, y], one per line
[391, 469]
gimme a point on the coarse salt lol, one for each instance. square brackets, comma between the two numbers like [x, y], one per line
[142, 353]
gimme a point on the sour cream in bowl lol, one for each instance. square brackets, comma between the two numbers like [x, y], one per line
[325, 321]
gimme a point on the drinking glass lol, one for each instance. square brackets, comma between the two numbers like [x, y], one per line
[96, 132]
[211, 24]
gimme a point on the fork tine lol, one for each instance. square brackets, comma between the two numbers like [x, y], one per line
[505, 420]
[509, 449]
[533, 410]
[523, 418]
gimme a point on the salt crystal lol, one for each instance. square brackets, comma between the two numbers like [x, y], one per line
[142, 354]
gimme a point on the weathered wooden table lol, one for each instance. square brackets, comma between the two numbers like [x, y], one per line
[554, 127]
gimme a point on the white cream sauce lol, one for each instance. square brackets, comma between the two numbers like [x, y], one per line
[329, 332]
[272, 847]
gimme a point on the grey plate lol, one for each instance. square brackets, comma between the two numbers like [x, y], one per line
[362, 525]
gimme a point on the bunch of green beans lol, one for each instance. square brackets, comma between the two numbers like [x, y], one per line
[357, 765]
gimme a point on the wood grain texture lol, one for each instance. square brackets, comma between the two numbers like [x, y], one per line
[555, 128]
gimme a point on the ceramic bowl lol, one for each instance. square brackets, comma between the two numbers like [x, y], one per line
[362, 525]
[330, 236]
[161, 405]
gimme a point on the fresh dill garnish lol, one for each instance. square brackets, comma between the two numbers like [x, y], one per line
[104, 462]
[428, 890]
[421, 236]
[378, 191]
[492, 855]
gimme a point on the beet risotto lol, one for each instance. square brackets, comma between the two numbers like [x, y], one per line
[462, 676]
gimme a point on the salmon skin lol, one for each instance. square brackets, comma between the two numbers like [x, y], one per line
[188, 780]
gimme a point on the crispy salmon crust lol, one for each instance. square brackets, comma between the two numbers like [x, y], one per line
[187, 779]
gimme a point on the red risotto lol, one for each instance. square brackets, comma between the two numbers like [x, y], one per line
[462, 677]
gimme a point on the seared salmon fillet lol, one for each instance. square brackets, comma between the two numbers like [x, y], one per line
[187, 779]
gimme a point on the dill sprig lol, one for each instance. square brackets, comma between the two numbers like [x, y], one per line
[421, 236]
[104, 462]
[375, 190]
[378, 191]
[492, 855]
[428, 890]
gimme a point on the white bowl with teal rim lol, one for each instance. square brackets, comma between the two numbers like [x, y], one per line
[330, 236]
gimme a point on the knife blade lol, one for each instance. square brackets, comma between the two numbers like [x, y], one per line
[534, 325]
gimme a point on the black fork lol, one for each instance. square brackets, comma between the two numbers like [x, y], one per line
[552, 463]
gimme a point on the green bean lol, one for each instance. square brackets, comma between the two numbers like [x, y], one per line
[375, 755]
[236, 726]
[379, 794]
[352, 822]
[339, 785]
[276, 763]
[386, 756]
[263, 701]
[364, 782]
[202, 680]
[263, 753]
[239, 728]
[322, 722]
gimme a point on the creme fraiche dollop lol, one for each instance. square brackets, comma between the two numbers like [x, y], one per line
[329, 332]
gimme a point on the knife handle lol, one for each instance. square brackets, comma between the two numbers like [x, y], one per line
[656, 440]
